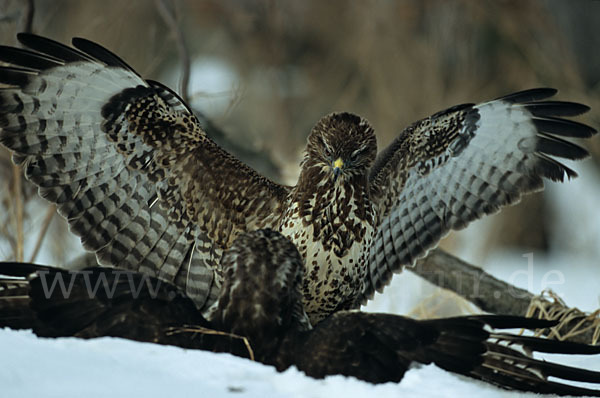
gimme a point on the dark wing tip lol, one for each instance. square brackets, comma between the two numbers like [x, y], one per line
[552, 169]
[534, 94]
[24, 37]
[100, 53]
[51, 47]
[548, 121]
[31, 40]
[556, 108]
[27, 59]
[14, 76]
[556, 147]
[16, 269]
[550, 346]
[514, 322]
[563, 127]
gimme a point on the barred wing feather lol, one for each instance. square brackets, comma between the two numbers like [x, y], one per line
[463, 163]
[127, 163]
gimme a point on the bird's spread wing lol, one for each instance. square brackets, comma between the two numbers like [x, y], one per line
[381, 348]
[93, 302]
[100, 302]
[127, 163]
[462, 163]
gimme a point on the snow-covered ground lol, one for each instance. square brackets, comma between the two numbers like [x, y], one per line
[35, 367]
[32, 367]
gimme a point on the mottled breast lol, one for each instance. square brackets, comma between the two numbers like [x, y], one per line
[333, 233]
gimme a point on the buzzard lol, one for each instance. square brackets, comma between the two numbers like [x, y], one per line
[131, 169]
[260, 315]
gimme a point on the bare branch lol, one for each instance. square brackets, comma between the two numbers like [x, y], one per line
[169, 15]
[26, 26]
[495, 296]
[50, 211]
[472, 283]
[27, 18]
[18, 212]
[257, 159]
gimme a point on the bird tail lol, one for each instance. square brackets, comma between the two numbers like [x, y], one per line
[51, 301]
[478, 347]
[15, 301]
[94, 302]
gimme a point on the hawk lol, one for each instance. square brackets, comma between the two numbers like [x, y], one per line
[261, 305]
[133, 172]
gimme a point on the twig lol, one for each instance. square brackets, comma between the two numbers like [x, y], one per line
[26, 23]
[50, 211]
[258, 159]
[27, 20]
[18, 214]
[6, 234]
[203, 330]
[171, 19]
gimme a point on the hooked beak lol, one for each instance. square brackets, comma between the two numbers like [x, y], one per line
[337, 168]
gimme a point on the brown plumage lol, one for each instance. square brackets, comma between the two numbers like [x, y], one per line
[261, 302]
[129, 166]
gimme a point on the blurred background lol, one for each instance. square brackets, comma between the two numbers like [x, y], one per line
[263, 72]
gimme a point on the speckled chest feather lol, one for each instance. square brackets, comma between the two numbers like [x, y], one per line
[333, 228]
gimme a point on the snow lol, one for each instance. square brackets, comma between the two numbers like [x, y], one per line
[62, 367]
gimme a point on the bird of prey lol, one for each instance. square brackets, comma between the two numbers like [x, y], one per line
[133, 172]
[260, 315]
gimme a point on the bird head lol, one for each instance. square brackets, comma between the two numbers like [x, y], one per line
[342, 144]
